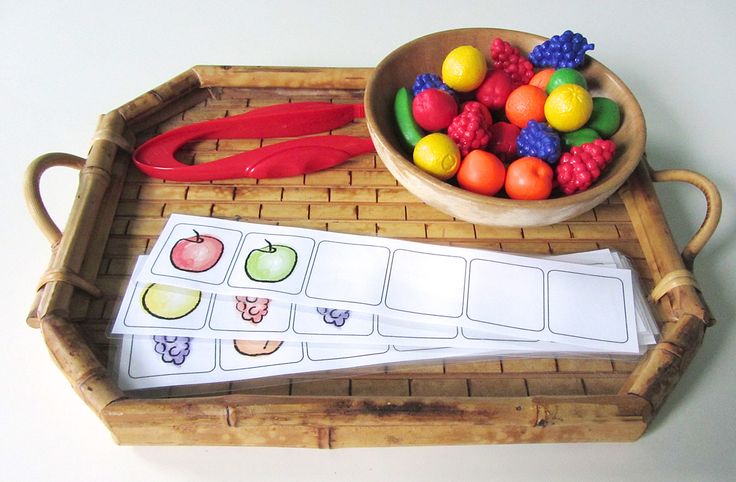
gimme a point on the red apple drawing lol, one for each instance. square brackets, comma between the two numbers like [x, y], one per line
[197, 253]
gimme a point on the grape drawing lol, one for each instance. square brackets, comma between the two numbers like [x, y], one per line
[173, 349]
[333, 316]
[251, 308]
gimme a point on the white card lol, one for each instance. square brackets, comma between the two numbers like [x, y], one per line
[422, 282]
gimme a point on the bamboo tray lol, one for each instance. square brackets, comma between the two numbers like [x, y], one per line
[118, 213]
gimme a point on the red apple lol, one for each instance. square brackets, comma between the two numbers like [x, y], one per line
[197, 253]
[434, 109]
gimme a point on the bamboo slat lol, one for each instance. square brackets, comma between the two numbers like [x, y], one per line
[119, 213]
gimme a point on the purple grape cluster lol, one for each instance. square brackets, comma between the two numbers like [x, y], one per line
[173, 349]
[429, 81]
[561, 51]
[333, 316]
[538, 139]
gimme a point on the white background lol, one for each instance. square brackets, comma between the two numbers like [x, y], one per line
[64, 63]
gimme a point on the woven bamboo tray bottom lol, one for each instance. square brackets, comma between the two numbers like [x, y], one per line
[433, 402]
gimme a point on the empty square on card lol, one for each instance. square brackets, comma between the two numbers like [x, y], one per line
[587, 306]
[411, 329]
[334, 351]
[426, 283]
[348, 272]
[506, 295]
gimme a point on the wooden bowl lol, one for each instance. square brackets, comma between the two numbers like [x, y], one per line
[400, 68]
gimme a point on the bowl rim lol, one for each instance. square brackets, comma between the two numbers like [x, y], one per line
[596, 191]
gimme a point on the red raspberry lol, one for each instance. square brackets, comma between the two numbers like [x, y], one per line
[251, 308]
[507, 58]
[471, 129]
[582, 166]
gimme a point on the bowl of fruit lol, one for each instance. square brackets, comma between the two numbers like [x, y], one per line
[504, 128]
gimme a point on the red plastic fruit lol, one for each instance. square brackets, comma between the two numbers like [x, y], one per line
[290, 158]
[509, 59]
[529, 178]
[495, 89]
[434, 109]
[578, 169]
[481, 172]
[503, 141]
[471, 129]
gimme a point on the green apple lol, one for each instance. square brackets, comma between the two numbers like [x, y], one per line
[169, 302]
[271, 263]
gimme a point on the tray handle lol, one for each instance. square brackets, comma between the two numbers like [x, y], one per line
[712, 210]
[32, 191]
[39, 213]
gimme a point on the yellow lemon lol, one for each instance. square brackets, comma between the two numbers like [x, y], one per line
[464, 68]
[568, 107]
[438, 155]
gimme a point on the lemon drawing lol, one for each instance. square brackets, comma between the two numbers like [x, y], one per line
[169, 302]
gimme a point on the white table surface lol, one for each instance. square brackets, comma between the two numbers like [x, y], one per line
[63, 65]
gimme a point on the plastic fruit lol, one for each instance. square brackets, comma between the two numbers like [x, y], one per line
[429, 81]
[471, 129]
[578, 137]
[169, 302]
[605, 118]
[464, 68]
[197, 253]
[529, 178]
[506, 57]
[503, 141]
[481, 172]
[408, 128]
[568, 107]
[525, 103]
[495, 89]
[256, 347]
[538, 139]
[437, 155]
[271, 263]
[433, 109]
[582, 166]
[541, 78]
[565, 76]
[564, 50]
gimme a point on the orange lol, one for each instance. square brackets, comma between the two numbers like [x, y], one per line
[568, 107]
[529, 178]
[481, 172]
[525, 103]
[541, 78]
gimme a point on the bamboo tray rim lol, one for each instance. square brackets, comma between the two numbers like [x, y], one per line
[337, 421]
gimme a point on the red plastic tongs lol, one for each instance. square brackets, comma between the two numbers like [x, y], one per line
[288, 158]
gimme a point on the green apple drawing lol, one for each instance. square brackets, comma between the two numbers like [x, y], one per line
[271, 263]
